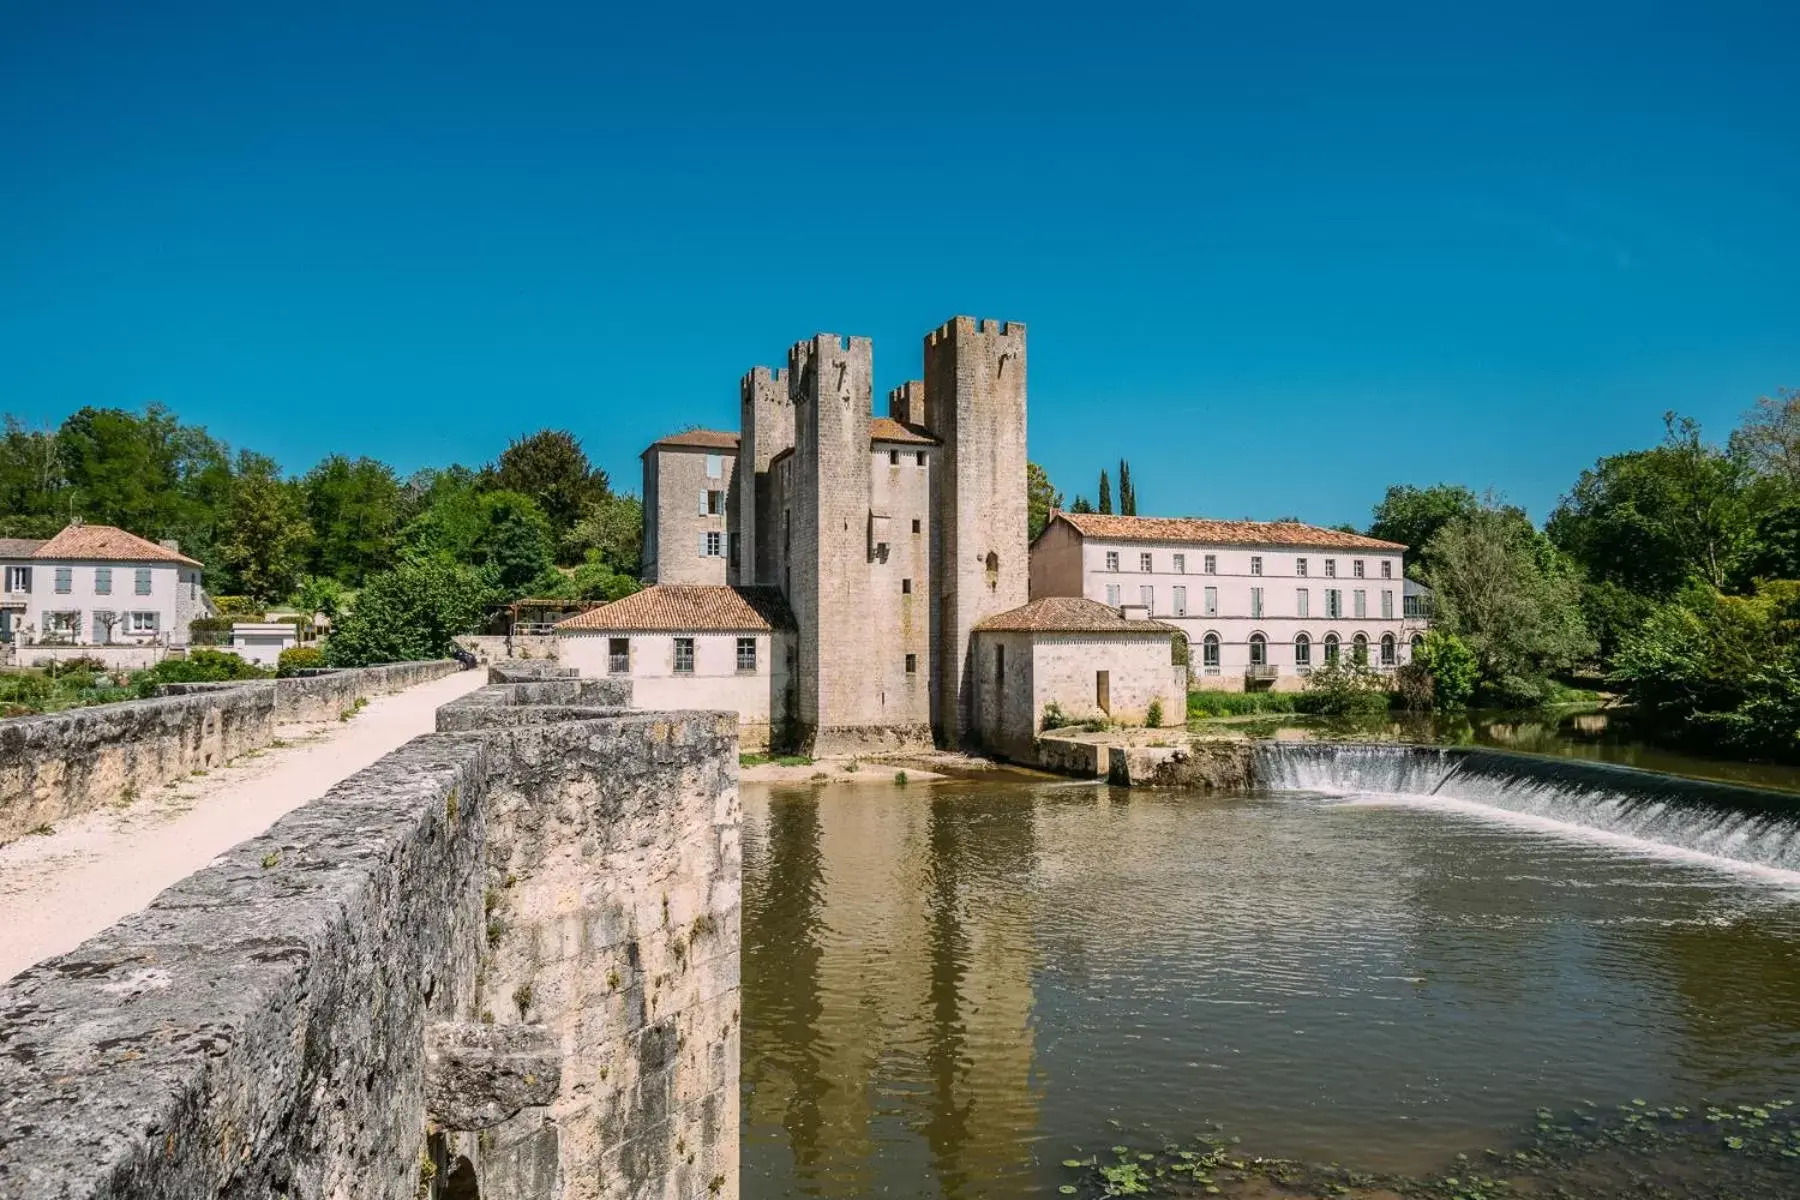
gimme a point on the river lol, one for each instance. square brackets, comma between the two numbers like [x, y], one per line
[952, 989]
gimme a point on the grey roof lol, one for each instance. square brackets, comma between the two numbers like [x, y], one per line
[19, 547]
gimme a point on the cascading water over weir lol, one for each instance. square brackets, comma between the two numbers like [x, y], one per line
[1750, 825]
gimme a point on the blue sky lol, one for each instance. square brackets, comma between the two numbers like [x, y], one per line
[1280, 256]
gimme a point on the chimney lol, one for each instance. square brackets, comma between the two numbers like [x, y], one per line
[170, 544]
[1135, 612]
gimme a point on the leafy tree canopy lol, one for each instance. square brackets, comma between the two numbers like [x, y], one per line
[412, 612]
[354, 509]
[551, 467]
[1040, 497]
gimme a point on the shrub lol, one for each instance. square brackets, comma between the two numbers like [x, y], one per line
[27, 690]
[1153, 716]
[414, 612]
[1345, 688]
[1450, 667]
[299, 658]
[1202, 704]
[200, 666]
[244, 608]
[1054, 717]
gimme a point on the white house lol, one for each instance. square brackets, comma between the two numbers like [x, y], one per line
[1261, 602]
[693, 646]
[94, 586]
[261, 642]
[1087, 659]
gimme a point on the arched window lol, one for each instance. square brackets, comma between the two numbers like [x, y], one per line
[1302, 650]
[993, 570]
[1418, 642]
[1387, 649]
[1259, 649]
[1331, 647]
[1209, 654]
[1359, 650]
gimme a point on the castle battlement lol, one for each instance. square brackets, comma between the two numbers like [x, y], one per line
[772, 380]
[985, 327]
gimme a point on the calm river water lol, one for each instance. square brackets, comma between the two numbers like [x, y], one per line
[949, 989]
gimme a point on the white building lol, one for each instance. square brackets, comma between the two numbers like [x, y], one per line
[94, 586]
[1261, 603]
[261, 642]
[693, 646]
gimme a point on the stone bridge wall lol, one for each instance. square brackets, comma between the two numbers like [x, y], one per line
[567, 874]
[60, 766]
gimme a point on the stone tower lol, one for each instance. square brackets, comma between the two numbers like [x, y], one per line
[830, 380]
[974, 402]
[766, 428]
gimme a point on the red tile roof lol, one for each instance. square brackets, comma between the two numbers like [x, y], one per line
[688, 608]
[1067, 614]
[1220, 533]
[104, 543]
[701, 439]
[886, 429]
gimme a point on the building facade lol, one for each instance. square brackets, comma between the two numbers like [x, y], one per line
[888, 537]
[96, 586]
[1261, 603]
[693, 646]
[690, 482]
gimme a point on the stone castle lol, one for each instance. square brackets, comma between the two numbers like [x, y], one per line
[889, 538]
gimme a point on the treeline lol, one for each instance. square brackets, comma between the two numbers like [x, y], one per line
[541, 520]
[1668, 571]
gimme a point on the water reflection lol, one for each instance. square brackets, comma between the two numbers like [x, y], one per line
[949, 988]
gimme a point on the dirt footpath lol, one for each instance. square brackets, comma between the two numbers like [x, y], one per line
[61, 888]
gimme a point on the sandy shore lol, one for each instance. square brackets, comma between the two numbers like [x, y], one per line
[58, 889]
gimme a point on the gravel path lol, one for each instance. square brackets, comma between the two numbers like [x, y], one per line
[61, 888]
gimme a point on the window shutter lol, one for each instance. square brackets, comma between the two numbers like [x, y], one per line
[703, 545]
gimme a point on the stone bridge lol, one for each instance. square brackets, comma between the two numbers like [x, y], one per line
[502, 962]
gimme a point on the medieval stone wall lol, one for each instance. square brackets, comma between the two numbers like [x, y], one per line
[501, 962]
[60, 766]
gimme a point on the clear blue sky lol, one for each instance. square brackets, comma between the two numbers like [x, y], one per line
[1278, 255]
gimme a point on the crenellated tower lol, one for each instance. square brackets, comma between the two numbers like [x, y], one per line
[974, 401]
[766, 428]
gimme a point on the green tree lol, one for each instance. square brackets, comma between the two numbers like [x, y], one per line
[1768, 440]
[32, 502]
[146, 473]
[596, 580]
[265, 538]
[516, 548]
[1127, 493]
[354, 509]
[410, 613]
[1511, 598]
[1650, 520]
[612, 527]
[1452, 667]
[1105, 493]
[320, 594]
[1041, 497]
[551, 467]
[1413, 515]
[1082, 505]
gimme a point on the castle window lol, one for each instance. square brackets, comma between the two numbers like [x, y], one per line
[1144, 562]
[684, 656]
[1112, 560]
[1300, 567]
[618, 656]
[712, 544]
[912, 664]
[921, 458]
[1210, 564]
[746, 656]
[993, 570]
[1256, 564]
[893, 458]
[906, 587]
[915, 524]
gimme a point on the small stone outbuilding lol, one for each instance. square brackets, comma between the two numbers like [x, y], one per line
[693, 647]
[1090, 660]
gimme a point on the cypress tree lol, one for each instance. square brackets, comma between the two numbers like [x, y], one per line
[1127, 493]
[1105, 493]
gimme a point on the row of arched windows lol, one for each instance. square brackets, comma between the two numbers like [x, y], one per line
[1303, 647]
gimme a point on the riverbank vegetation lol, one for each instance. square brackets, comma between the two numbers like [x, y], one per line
[81, 682]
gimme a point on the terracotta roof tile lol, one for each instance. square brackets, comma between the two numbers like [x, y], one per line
[1067, 614]
[1221, 533]
[104, 543]
[886, 429]
[701, 439]
[688, 608]
[19, 547]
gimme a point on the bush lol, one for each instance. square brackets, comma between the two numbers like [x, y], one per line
[1202, 704]
[1054, 717]
[27, 690]
[244, 608]
[1345, 688]
[412, 613]
[1153, 716]
[200, 666]
[299, 658]
[1450, 668]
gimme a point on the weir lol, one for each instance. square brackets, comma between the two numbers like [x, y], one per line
[1751, 825]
